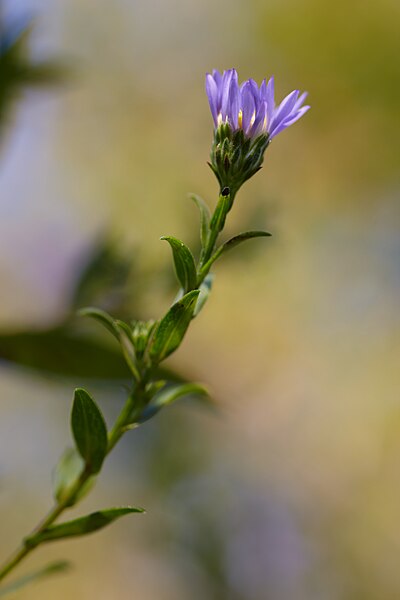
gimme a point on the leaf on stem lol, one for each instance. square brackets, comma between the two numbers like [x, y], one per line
[205, 289]
[51, 569]
[204, 217]
[242, 237]
[124, 335]
[170, 395]
[120, 330]
[171, 329]
[102, 317]
[69, 468]
[235, 241]
[184, 263]
[89, 430]
[82, 526]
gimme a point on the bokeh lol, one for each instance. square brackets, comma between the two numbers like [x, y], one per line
[291, 489]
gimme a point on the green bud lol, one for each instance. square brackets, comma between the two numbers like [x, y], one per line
[235, 158]
[141, 332]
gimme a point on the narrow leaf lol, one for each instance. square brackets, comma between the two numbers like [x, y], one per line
[242, 237]
[172, 328]
[52, 569]
[89, 430]
[170, 395]
[184, 263]
[67, 471]
[205, 289]
[235, 241]
[120, 330]
[124, 335]
[82, 526]
[102, 317]
[204, 217]
[122, 326]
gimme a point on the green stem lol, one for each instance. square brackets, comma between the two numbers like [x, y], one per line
[55, 512]
[14, 561]
[203, 272]
[115, 434]
[217, 223]
[122, 420]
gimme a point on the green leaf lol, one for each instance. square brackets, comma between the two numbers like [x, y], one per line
[82, 526]
[235, 241]
[120, 330]
[242, 237]
[184, 263]
[52, 569]
[141, 334]
[169, 395]
[89, 430]
[204, 217]
[122, 326]
[102, 317]
[172, 328]
[205, 289]
[124, 334]
[69, 468]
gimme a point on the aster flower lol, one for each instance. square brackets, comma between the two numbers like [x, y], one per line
[246, 119]
[250, 107]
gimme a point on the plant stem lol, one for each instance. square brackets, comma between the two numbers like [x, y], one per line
[119, 426]
[114, 436]
[216, 226]
[55, 512]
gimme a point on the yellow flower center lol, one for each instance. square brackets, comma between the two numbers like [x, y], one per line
[240, 119]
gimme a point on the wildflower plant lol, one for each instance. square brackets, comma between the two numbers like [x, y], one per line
[246, 119]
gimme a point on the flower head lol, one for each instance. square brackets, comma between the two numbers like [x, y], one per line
[250, 107]
[246, 119]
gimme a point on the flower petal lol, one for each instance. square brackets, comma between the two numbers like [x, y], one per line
[287, 105]
[254, 89]
[234, 101]
[258, 125]
[270, 99]
[289, 121]
[225, 89]
[300, 101]
[212, 93]
[283, 110]
[217, 77]
[263, 90]
[248, 106]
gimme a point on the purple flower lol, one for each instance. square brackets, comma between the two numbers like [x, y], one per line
[249, 107]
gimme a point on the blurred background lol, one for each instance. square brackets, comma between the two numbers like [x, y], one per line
[291, 491]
